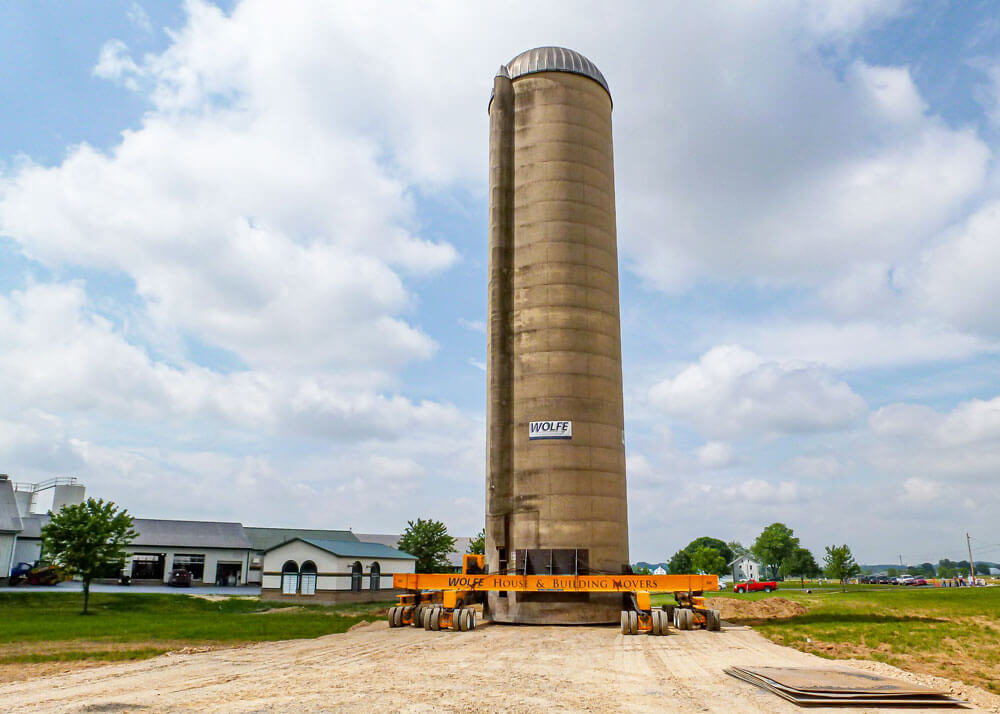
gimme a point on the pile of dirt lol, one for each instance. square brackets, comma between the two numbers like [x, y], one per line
[773, 608]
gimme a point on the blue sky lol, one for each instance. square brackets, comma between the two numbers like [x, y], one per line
[243, 265]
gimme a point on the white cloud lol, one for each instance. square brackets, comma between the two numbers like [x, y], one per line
[958, 277]
[975, 421]
[815, 467]
[62, 358]
[715, 454]
[115, 63]
[920, 491]
[138, 16]
[916, 441]
[732, 391]
[473, 325]
[860, 344]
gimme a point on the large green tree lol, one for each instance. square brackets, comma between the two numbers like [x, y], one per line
[707, 560]
[773, 545]
[721, 547]
[839, 562]
[802, 563]
[429, 541]
[477, 546]
[680, 563]
[86, 538]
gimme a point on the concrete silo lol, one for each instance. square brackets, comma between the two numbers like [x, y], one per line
[555, 492]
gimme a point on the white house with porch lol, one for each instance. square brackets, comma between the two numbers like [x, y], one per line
[745, 567]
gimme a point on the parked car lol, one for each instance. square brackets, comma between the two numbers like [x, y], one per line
[19, 572]
[883, 580]
[749, 586]
[179, 578]
[918, 581]
[904, 580]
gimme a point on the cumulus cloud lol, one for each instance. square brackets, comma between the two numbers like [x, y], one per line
[731, 391]
[61, 357]
[715, 454]
[957, 279]
[115, 63]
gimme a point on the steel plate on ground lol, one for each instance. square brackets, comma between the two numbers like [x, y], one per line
[838, 680]
[844, 697]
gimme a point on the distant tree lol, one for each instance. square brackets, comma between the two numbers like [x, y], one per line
[477, 545]
[892, 572]
[708, 561]
[429, 541]
[737, 549]
[946, 571]
[84, 539]
[642, 570]
[680, 563]
[802, 563]
[773, 545]
[721, 547]
[839, 562]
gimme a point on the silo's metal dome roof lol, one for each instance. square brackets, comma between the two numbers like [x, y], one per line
[553, 59]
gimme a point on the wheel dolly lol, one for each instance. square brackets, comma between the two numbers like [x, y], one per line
[441, 601]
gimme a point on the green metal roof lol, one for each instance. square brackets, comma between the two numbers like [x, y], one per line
[354, 549]
[268, 538]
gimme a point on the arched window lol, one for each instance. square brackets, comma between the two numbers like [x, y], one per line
[356, 575]
[376, 576]
[289, 578]
[307, 574]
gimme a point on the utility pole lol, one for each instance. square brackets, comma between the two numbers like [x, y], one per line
[972, 565]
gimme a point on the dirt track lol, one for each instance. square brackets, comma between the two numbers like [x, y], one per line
[493, 669]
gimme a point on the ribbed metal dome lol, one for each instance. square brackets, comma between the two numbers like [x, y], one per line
[554, 59]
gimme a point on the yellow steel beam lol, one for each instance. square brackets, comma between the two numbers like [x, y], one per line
[556, 583]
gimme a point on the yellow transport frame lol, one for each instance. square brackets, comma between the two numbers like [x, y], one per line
[556, 583]
[438, 601]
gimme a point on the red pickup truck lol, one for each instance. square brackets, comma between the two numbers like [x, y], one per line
[750, 586]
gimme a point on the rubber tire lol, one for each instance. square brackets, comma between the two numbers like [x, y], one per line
[683, 623]
[407, 610]
[633, 622]
[436, 619]
[689, 619]
[624, 622]
[767, 588]
[740, 591]
[456, 619]
[714, 621]
[472, 618]
[418, 616]
[655, 617]
[425, 617]
[392, 616]
[669, 610]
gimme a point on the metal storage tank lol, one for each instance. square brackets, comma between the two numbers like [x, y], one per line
[555, 498]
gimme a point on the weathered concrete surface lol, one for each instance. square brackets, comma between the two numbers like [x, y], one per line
[554, 338]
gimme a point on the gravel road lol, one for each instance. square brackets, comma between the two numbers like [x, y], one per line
[496, 668]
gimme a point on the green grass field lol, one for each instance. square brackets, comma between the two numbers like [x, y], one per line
[48, 627]
[950, 632]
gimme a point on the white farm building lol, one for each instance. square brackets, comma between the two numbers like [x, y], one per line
[332, 570]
